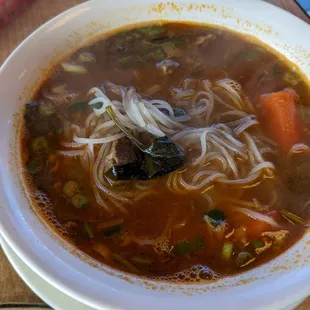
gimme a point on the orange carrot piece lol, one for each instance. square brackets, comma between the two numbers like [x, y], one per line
[282, 120]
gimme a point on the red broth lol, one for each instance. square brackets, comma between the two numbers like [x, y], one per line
[184, 235]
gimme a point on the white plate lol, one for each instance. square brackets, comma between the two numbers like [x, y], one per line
[53, 297]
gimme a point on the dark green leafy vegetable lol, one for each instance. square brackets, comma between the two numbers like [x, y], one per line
[151, 31]
[158, 158]
[112, 230]
[163, 156]
[216, 217]
[188, 247]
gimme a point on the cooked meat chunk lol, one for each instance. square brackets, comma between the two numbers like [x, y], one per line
[122, 153]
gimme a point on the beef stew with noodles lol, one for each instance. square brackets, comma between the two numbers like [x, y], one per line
[174, 151]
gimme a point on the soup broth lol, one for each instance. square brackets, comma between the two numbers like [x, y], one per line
[172, 151]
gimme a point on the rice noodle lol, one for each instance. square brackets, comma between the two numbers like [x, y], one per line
[92, 143]
[227, 150]
[298, 148]
[258, 216]
[217, 143]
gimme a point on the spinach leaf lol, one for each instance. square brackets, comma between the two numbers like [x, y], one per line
[163, 156]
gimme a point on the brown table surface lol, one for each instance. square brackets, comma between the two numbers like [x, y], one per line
[12, 288]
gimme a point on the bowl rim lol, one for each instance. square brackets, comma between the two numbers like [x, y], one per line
[39, 268]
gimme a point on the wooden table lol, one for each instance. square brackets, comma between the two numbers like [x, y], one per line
[12, 288]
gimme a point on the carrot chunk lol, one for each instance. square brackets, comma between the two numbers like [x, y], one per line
[283, 123]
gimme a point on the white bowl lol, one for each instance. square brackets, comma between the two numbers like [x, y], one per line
[274, 285]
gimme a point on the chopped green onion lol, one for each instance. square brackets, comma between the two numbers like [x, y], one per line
[291, 78]
[142, 260]
[79, 201]
[46, 108]
[112, 231]
[256, 244]
[151, 31]
[70, 188]
[73, 68]
[244, 259]
[293, 217]
[125, 263]
[227, 250]
[39, 144]
[188, 247]
[88, 229]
